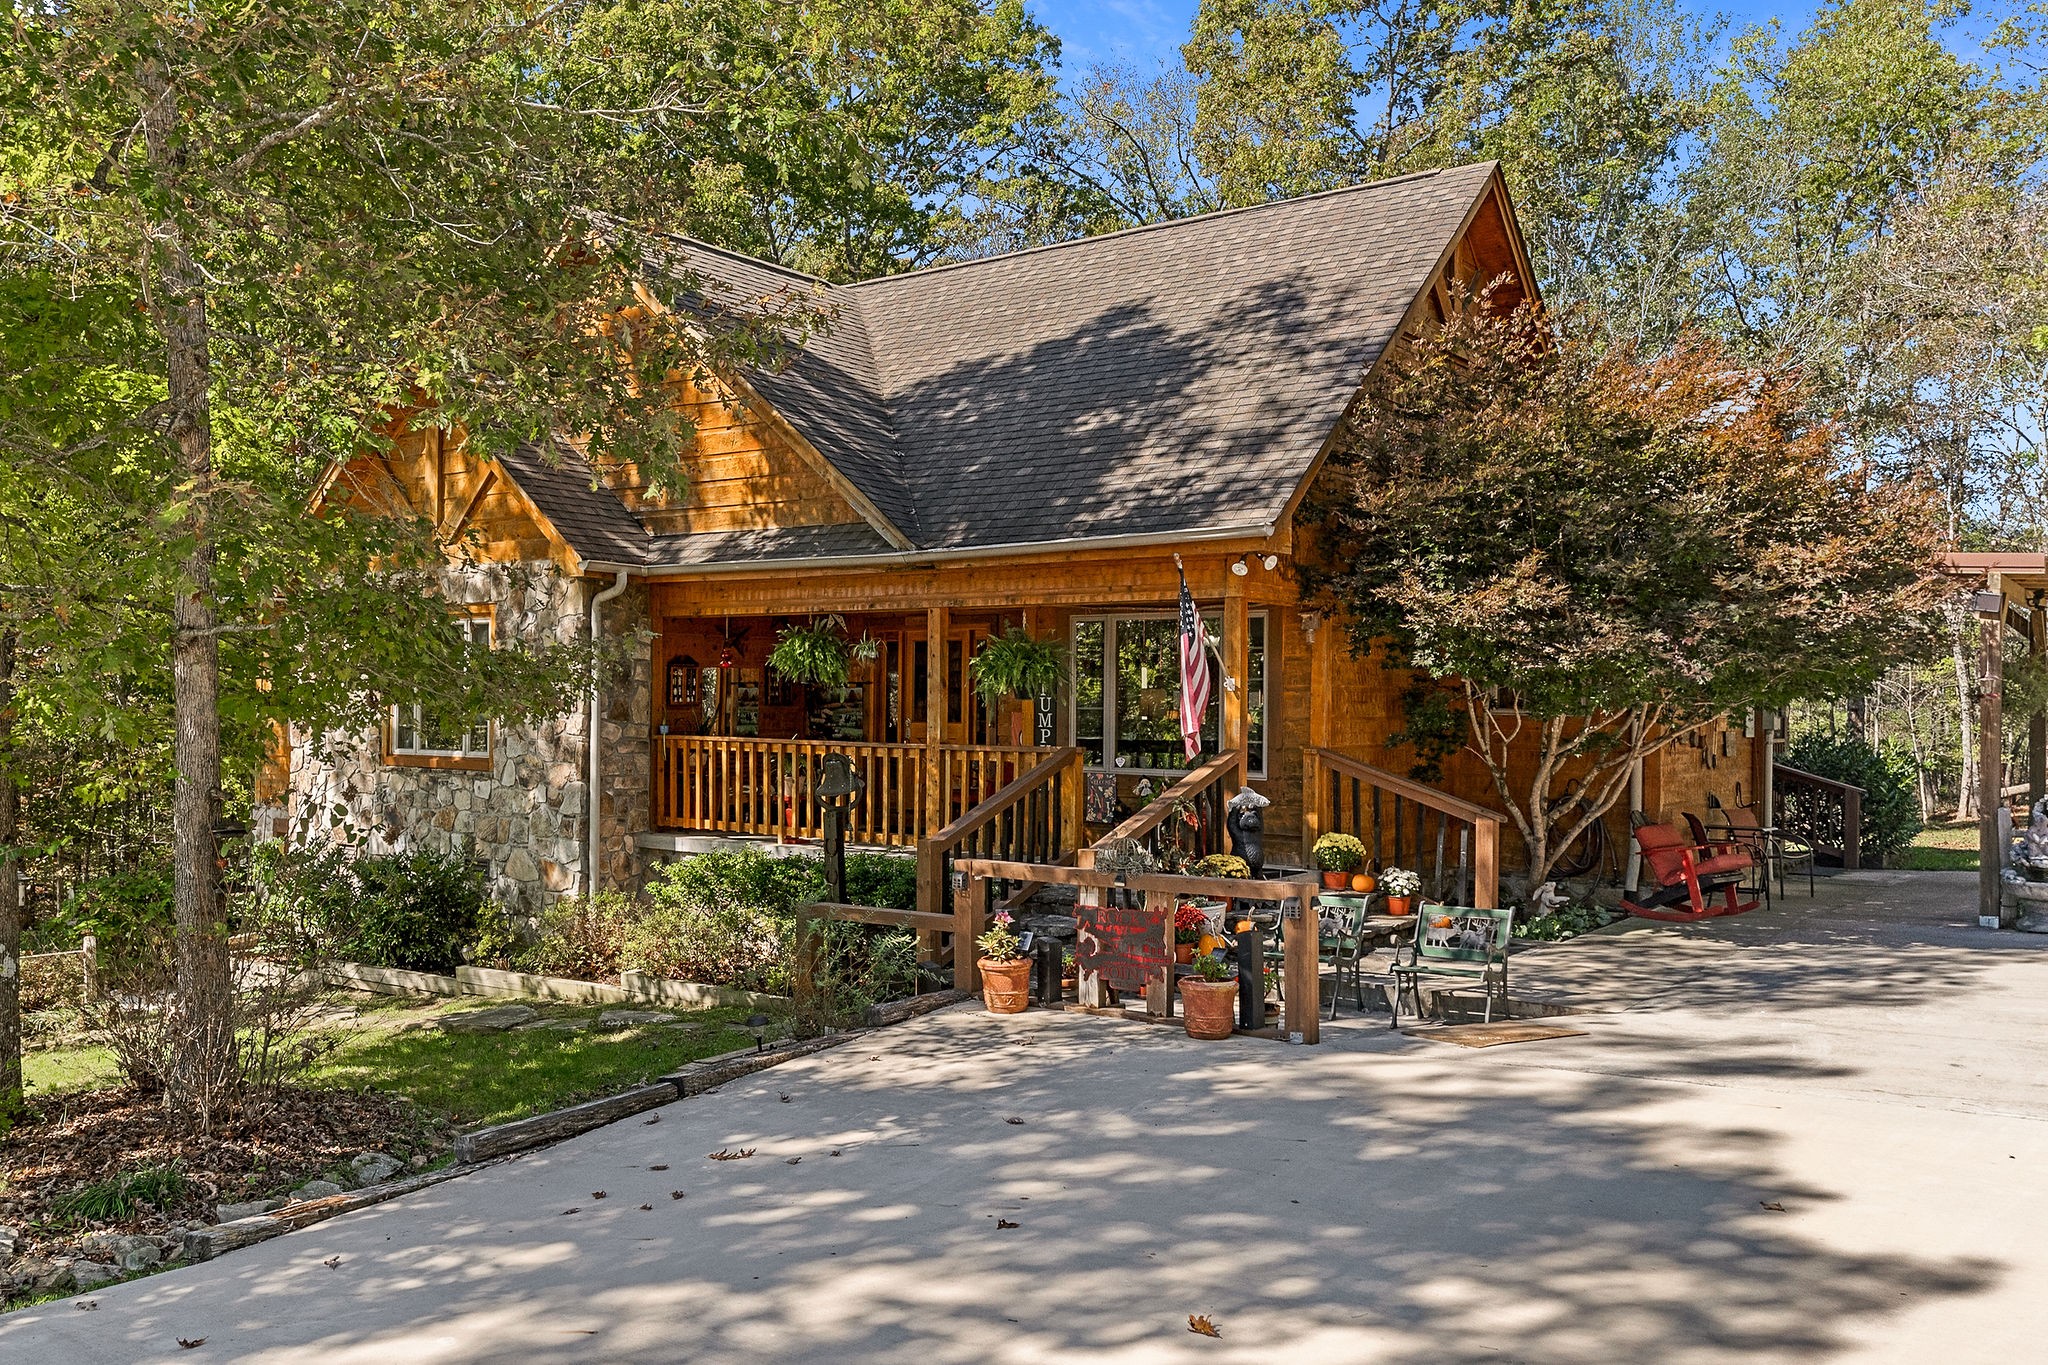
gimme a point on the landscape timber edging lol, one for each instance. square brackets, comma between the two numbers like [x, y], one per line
[488, 1145]
[635, 988]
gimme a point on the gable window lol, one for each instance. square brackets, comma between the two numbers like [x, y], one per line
[1127, 693]
[421, 732]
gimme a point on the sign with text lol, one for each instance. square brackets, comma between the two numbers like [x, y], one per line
[1044, 730]
[1125, 945]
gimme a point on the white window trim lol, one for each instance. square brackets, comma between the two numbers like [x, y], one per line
[1107, 618]
[489, 727]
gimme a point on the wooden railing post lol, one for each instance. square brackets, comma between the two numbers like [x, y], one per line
[1311, 805]
[938, 795]
[970, 916]
[1852, 828]
[1300, 971]
[1485, 864]
[1074, 803]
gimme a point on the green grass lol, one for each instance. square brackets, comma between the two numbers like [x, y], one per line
[395, 1045]
[480, 1078]
[117, 1198]
[1941, 848]
[61, 1070]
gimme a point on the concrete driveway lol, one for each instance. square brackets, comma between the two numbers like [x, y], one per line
[1868, 1060]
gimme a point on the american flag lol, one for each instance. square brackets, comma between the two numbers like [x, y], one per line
[1194, 672]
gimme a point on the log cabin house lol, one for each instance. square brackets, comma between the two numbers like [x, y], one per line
[1027, 440]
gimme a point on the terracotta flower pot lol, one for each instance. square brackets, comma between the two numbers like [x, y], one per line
[1336, 881]
[1006, 985]
[1183, 953]
[1400, 905]
[1208, 1008]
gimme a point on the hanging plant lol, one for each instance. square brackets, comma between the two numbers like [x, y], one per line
[1015, 665]
[816, 655]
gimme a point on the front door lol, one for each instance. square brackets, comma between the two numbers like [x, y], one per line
[966, 719]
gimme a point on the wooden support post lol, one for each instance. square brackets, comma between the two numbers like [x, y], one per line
[937, 797]
[2037, 724]
[1311, 805]
[970, 918]
[1990, 777]
[1486, 865]
[1159, 986]
[1237, 656]
[1322, 705]
[1074, 805]
[1301, 1011]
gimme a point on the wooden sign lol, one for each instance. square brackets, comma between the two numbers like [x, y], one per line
[1127, 947]
[1045, 731]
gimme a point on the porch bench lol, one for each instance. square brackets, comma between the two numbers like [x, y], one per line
[1457, 943]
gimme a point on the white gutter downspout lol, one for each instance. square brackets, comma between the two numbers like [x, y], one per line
[591, 739]
[1635, 803]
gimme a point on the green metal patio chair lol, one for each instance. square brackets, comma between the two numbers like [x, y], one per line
[1340, 944]
[1458, 942]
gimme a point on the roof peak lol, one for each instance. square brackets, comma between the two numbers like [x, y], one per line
[1210, 216]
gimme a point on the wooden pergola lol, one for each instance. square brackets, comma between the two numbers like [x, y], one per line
[2012, 595]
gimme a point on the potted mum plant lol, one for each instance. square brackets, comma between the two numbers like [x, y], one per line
[1005, 971]
[1337, 857]
[1208, 999]
[1189, 923]
[1400, 885]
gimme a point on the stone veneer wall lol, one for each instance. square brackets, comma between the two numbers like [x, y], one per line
[524, 819]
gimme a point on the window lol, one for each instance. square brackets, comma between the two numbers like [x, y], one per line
[421, 730]
[1127, 693]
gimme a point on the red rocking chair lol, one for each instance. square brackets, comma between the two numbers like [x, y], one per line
[1692, 883]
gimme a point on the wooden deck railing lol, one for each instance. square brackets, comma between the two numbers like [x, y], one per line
[1035, 818]
[1201, 794]
[1826, 813]
[1404, 824]
[726, 785]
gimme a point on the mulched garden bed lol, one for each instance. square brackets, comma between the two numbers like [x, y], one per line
[82, 1147]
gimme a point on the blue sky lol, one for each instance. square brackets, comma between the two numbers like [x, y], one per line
[1142, 32]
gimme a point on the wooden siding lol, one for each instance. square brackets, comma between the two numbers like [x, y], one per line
[469, 500]
[743, 472]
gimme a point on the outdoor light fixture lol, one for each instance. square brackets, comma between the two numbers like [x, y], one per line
[1242, 565]
[757, 1024]
[1239, 567]
[1270, 563]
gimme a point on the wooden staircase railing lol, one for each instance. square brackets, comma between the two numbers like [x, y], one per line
[1403, 823]
[1826, 813]
[1205, 790]
[1035, 818]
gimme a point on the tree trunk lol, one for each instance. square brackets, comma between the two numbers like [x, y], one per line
[205, 1045]
[10, 897]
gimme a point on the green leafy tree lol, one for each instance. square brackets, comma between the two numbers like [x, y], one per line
[248, 233]
[1608, 551]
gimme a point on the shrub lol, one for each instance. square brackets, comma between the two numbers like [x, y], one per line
[854, 968]
[1891, 808]
[119, 1198]
[416, 910]
[583, 939]
[120, 909]
[881, 879]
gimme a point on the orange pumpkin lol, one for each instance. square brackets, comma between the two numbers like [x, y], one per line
[1364, 881]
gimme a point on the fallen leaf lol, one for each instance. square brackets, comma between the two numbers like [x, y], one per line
[88, 1305]
[1013, 1120]
[597, 1194]
[722, 1154]
[567, 1212]
[1772, 1205]
[675, 1194]
[1002, 1223]
[645, 1207]
[792, 1161]
[1199, 1324]
[785, 1099]
[655, 1119]
[191, 1343]
[331, 1262]
[835, 1151]
[657, 1168]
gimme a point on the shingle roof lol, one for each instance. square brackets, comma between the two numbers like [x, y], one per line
[567, 492]
[1176, 377]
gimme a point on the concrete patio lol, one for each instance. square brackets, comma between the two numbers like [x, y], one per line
[1868, 1060]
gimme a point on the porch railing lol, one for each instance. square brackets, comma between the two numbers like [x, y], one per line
[1826, 813]
[729, 785]
[1035, 818]
[1197, 801]
[1452, 844]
